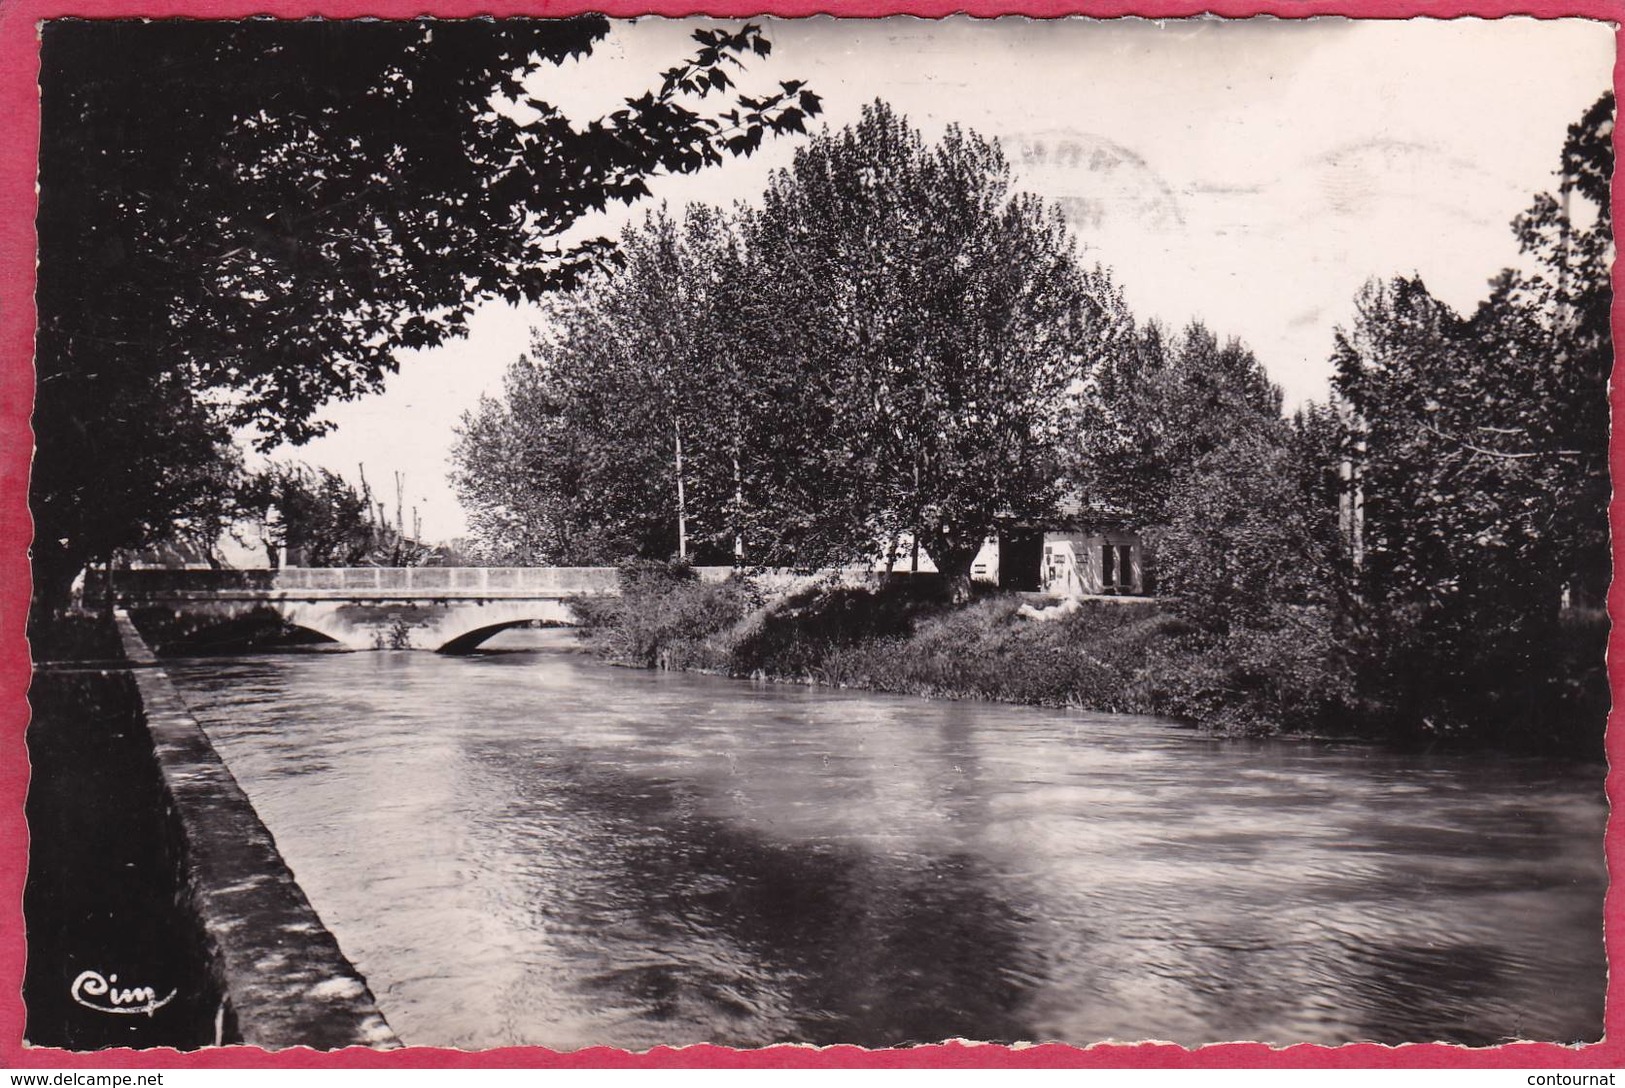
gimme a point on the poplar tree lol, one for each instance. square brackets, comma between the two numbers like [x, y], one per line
[889, 343]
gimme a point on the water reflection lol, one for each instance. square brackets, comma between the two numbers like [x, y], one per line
[534, 848]
[710, 931]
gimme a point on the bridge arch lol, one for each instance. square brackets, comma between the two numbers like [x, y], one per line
[466, 628]
[453, 609]
[221, 627]
[473, 640]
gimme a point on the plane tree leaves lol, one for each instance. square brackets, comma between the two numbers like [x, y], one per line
[888, 344]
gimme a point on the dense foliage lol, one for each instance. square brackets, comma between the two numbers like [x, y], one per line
[1424, 556]
[1478, 450]
[889, 344]
[242, 220]
[902, 635]
[663, 614]
[1158, 407]
[313, 517]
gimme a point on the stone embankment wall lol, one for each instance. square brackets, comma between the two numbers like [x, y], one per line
[280, 973]
[101, 901]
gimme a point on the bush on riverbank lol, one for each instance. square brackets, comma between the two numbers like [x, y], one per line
[1282, 671]
[664, 617]
[1258, 679]
[902, 636]
[1091, 657]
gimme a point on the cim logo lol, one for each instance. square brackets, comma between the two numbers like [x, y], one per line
[94, 991]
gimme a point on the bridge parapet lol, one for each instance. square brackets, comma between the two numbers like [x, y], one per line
[461, 582]
[453, 609]
[476, 581]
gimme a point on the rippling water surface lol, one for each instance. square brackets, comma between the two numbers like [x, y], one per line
[533, 848]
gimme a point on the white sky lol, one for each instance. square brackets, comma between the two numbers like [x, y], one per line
[1251, 174]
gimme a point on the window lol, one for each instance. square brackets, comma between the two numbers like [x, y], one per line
[1117, 568]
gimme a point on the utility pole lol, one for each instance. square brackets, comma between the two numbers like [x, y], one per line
[400, 511]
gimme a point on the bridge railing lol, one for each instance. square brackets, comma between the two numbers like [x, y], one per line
[475, 581]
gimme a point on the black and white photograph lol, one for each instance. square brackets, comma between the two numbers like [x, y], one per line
[600, 532]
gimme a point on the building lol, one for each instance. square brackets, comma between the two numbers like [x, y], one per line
[1080, 554]
[1082, 563]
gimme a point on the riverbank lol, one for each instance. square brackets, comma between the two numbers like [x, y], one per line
[1116, 655]
[999, 647]
[158, 910]
[103, 893]
[901, 637]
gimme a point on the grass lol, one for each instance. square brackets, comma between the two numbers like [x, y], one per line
[987, 650]
[900, 636]
[1283, 671]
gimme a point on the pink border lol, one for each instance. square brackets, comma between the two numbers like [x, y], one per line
[19, 132]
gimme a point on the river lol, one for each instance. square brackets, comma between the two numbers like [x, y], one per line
[530, 847]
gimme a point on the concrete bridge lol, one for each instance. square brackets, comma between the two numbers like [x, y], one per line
[449, 609]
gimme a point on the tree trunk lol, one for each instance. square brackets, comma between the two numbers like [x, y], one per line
[55, 566]
[914, 531]
[682, 505]
[895, 542]
[739, 501]
[954, 558]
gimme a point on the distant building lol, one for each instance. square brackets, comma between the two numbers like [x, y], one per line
[905, 559]
[178, 556]
[1079, 563]
[1081, 553]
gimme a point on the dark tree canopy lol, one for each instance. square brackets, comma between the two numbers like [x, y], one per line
[1478, 447]
[1159, 405]
[263, 212]
[889, 344]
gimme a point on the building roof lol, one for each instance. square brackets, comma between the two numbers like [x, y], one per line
[1074, 511]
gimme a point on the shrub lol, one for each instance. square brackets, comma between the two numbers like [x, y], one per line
[795, 637]
[1284, 675]
[664, 616]
[1282, 672]
[903, 639]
